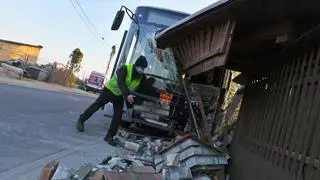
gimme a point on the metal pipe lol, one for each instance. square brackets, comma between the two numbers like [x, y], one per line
[190, 106]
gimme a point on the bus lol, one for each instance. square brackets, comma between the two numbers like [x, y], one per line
[154, 110]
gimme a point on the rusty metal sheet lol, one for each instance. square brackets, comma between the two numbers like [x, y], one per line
[48, 170]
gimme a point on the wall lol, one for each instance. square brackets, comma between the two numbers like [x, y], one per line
[279, 124]
[61, 75]
[15, 51]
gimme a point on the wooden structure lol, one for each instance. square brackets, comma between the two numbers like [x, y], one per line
[10, 50]
[275, 44]
[206, 49]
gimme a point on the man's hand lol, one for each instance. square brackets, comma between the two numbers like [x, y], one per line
[130, 98]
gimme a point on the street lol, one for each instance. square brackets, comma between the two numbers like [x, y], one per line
[35, 124]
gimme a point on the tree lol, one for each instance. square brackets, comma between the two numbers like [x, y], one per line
[74, 63]
[73, 66]
[112, 53]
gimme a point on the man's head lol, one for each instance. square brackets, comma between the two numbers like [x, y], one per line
[140, 64]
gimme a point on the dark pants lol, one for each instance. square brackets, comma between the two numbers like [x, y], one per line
[105, 97]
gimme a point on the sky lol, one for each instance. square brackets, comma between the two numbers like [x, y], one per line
[56, 26]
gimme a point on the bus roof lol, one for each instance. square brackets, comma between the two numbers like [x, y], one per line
[163, 9]
[186, 20]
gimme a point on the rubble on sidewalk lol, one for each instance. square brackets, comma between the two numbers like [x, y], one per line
[188, 158]
[117, 167]
[151, 158]
[144, 148]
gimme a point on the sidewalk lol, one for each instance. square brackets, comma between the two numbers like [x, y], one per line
[43, 86]
[73, 157]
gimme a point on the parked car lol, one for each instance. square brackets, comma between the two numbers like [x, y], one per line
[36, 73]
[16, 63]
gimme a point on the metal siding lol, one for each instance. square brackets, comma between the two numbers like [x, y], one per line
[279, 122]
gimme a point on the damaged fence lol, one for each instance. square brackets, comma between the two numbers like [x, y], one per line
[279, 121]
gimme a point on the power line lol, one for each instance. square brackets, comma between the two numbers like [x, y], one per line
[87, 24]
[81, 17]
[88, 20]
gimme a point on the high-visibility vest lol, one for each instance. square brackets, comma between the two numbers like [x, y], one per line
[132, 84]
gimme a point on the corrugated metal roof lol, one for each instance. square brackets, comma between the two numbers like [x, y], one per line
[18, 43]
[164, 9]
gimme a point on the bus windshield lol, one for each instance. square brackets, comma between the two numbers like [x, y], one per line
[141, 41]
[161, 62]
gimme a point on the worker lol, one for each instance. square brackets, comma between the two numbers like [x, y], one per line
[128, 77]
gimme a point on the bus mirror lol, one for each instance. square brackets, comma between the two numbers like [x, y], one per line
[117, 20]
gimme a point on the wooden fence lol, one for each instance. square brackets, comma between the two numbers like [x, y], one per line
[278, 136]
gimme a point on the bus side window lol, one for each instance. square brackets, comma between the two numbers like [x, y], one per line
[133, 43]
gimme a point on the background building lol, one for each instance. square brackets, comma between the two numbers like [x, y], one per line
[15, 50]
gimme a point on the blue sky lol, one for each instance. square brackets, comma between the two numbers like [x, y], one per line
[56, 26]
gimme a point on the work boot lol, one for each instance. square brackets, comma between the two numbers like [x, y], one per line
[80, 125]
[110, 141]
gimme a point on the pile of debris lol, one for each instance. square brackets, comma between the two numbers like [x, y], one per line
[150, 158]
[110, 168]
[190, 158]
[144, 148]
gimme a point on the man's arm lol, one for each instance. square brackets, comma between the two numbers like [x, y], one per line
[146, 87]
[121, 78]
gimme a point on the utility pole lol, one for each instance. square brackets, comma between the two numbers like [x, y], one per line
[113, 52]
[108, 65]
[84, 74]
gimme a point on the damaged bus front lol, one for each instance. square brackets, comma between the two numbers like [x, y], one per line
[163, 107]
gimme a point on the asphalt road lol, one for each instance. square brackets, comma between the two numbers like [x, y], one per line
[37, 123]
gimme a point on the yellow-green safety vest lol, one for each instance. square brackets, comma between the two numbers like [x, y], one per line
[132, 84]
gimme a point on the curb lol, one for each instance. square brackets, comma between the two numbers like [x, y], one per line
[37, 164]
[16, 83]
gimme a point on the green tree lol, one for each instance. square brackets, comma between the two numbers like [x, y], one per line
[74, 63]
[73, 66]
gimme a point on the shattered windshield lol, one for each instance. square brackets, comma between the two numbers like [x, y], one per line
[161, 62]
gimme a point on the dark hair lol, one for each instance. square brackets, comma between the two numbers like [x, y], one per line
[142, 62]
